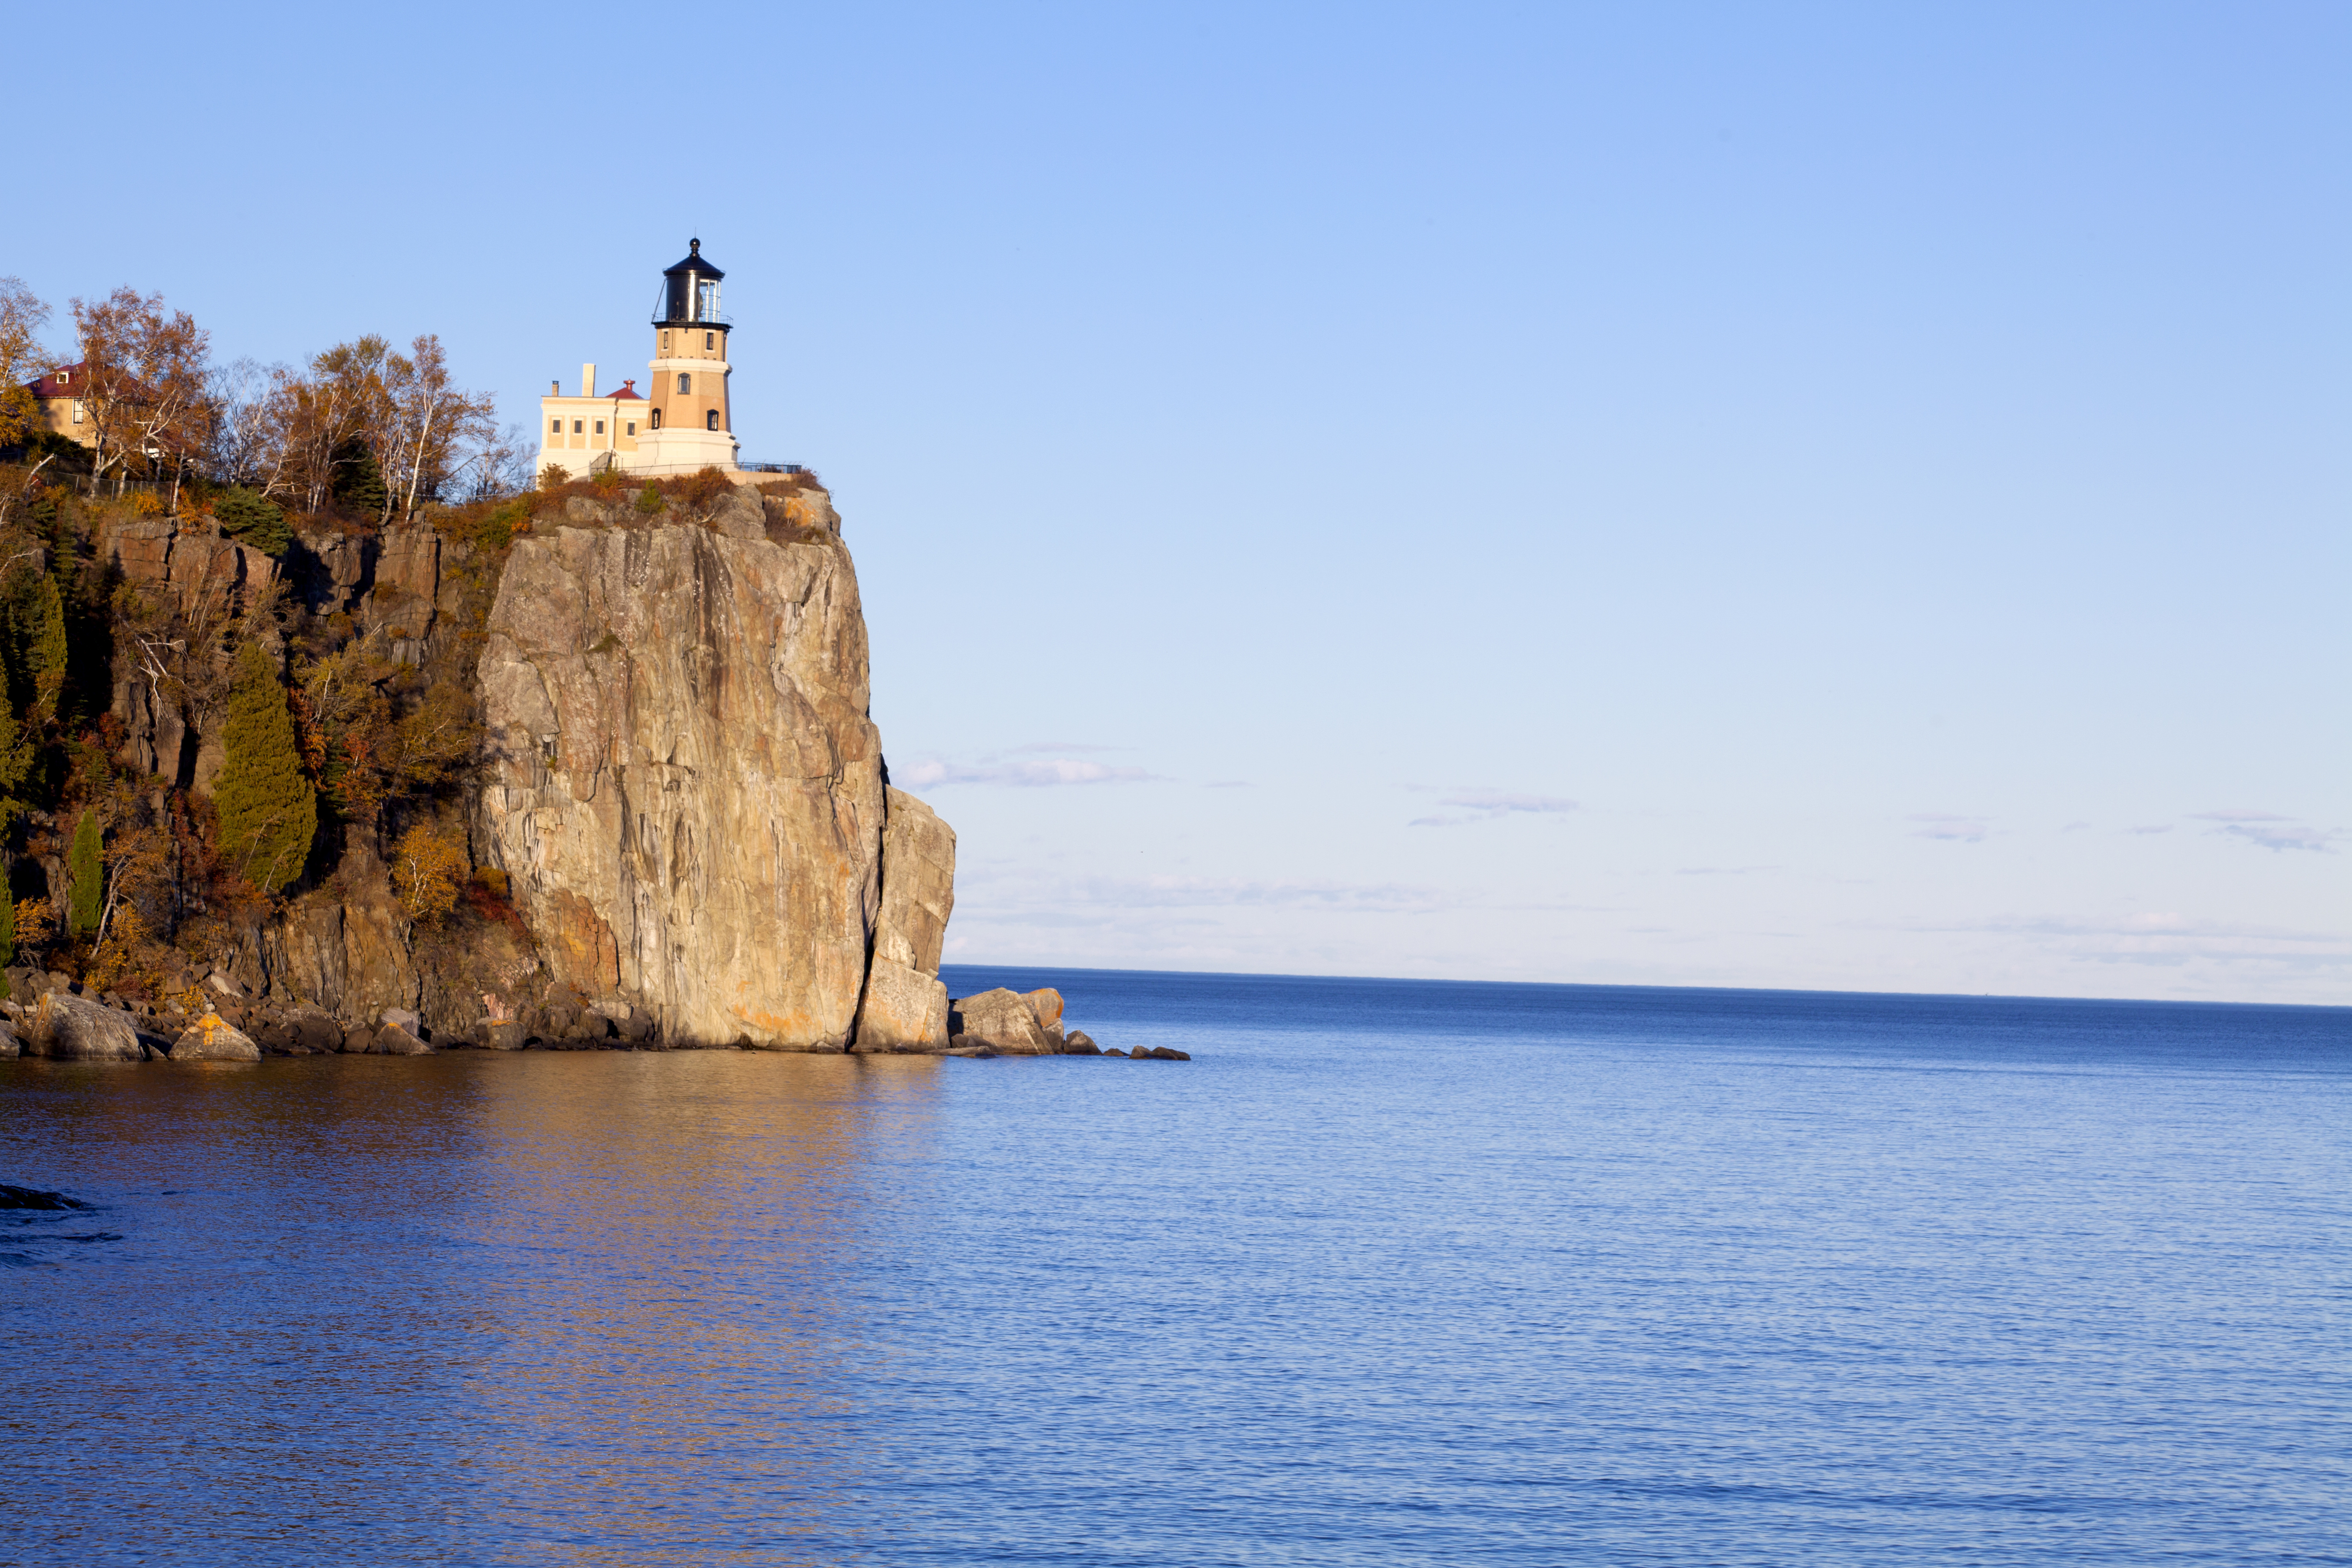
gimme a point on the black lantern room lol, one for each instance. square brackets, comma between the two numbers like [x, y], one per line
[689, 295]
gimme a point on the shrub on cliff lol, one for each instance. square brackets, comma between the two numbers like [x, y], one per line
[267, 805]
[703, 487]
[428, 867]
[8, 938]
[253, 520]
[88, 871]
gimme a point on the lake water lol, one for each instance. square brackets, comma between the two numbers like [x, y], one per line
[1393, 1272]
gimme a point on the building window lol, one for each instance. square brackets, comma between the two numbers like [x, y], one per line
[600, 427]
[665, 342]
[710, 420]
[632, 429]
[656, 417]
[555, 427]
[77, 411]
[65, 378]
[711, 340]
[575, 427]
[684, 382]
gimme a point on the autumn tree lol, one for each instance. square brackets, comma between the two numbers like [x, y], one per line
[428, 867]
[145, 382]
[248, 448]
[347, 727]
[268, 808]
[21, 359]
[431, 423]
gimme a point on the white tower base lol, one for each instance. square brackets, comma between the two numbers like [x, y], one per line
[681, 452]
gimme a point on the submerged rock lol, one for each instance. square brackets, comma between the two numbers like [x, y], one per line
[34, 1198]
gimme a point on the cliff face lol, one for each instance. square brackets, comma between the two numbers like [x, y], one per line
[684, 791]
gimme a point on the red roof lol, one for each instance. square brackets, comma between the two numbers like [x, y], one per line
[628, 393]
[50, 386]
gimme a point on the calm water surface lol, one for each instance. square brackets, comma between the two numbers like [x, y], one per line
[1393, 1273]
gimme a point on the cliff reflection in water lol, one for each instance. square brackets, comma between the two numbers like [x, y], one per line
[690, 1240]
[582, 1307]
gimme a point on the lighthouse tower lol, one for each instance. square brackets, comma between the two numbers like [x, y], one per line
[691, 416]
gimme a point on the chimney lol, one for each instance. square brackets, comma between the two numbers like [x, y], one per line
[554, 389]
[587, 381]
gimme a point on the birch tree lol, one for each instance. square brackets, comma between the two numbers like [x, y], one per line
[145, 376]
[21, 359]
[431, 423]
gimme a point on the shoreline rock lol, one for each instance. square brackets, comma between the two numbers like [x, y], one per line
[210, 1039]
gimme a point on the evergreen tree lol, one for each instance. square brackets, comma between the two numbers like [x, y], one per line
[359, 483]
[50, 650]
[253, 519]
[84, 865]
[268, 809]
[15, 762]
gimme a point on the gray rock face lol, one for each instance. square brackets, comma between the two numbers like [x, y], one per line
[67, 1028]
[1005, 1020]
[211, 1039]
[905, 1008]
[9, 1049]
[684, 788]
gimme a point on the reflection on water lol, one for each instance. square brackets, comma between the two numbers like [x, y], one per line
[601, 1308]
[1392, 1273]
[685, 1348]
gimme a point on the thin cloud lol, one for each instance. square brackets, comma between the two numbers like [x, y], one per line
[1953, 829]
[1720, 871]
[2151, 827]
[934, 774]
[1230, 783]
[1487, 804]
[2240, 816]
[2274, 835]
[2077, 827]
[1054, 746]
[2166, 939]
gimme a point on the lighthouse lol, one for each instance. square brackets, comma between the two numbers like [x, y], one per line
[684, 420]
[691, 422]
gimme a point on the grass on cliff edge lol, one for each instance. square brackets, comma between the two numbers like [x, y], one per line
[492, 525]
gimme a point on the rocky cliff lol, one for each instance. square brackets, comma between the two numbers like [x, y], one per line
[680, 803]
[685, 789]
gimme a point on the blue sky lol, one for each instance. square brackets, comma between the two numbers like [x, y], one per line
[1807, 496]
